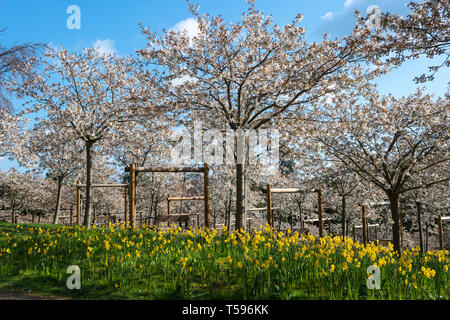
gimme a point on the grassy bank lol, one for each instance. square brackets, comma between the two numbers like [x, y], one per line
[116, 263]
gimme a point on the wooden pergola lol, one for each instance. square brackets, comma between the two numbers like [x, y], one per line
[269, 191]
[101, 185]
[133, 171]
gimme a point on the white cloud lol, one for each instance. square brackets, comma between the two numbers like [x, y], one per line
[182, 80]
[327, 16]
[349, 3]
[189, 25]
[105, 46]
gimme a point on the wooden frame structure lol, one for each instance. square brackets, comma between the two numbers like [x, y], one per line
[101, 185]
[365, 230]
[169, 211]
[133, 170]
[271, 190]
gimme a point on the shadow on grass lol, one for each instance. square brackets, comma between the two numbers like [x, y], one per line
[51, 286]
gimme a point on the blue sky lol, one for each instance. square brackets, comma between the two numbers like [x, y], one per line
[113, 26]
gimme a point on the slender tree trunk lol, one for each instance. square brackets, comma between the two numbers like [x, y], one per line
[13, 214]
[226, 213]
[299, 203]
[419, 222]
[230, 206]
[394, 201]
[87, 209]
[151, 205]
[240, 194]
[343, 215]
[58, 201]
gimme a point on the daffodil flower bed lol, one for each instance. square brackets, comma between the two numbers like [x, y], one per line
[202, 264]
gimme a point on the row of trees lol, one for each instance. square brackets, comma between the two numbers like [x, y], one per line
[336, 128]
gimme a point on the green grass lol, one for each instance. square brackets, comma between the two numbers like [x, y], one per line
[118, 263]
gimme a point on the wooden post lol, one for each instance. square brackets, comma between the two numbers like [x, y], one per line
[32, 217]
[140, 219]
[198, 220]
[269, 206]
[206, 194]
[168, 210]
[71, 216]
[364, 225]
[132, 194]
[126, 207]
[320, 211]
[354, 233]
[441, 233]
[78, 203]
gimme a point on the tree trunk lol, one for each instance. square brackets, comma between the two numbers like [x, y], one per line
[155, 214]
[300, 213]
[13, 214]
[87, 209]
[343, 215]
[151, 206]
[394, 202]
[58, 201]
[419, 222]
[230, 206]
[240, 194]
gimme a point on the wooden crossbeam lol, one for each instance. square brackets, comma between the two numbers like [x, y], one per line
[316, 220]
[104, 185]
[370, 225]
[261, 209]
[186, 198]
[162, 169]
[445, 218]
[288, 190]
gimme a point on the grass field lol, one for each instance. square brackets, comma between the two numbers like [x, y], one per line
[118, 263]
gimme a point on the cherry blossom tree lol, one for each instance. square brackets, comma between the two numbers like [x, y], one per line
[54, 150]
[251, 74]
[423, 32]
[23, 192]
[91, 94]
[10, 125]
[344, 182]
[15, 62]
[398, 145]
